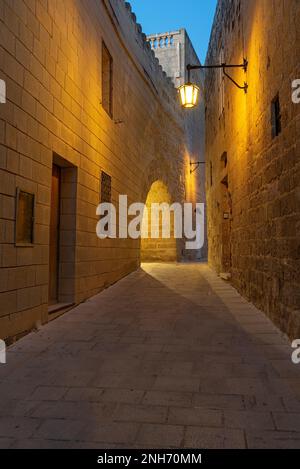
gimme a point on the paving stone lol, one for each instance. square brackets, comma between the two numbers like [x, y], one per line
[168, 398]
[18, 427]
[130, 396]
[94, 445]
[272, 440]
[264, 403]
[294, 384]
[71, 378]
[195, 416]
[219, 401]
[32, 443]
[16, 408]
[291, 404]
[247, 386]
[287, 421]
[286, 369]
[116, 433]
[171, 383]
[161, 435]
[48, 393]
[176, 369]
[214, 370]
[214, 438]
[75, 410]
[11, 390]
[252, 370]
[59, 429]
[141, 413]
[84, 394]
[248, 420]
[6, 443]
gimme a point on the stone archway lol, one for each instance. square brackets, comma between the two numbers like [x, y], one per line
[158, 249]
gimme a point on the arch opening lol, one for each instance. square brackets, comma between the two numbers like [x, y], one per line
[159, 249]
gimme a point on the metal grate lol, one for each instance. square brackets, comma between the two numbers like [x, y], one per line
[105, 189]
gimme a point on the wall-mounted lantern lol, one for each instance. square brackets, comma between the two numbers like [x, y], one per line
[189, 92]
[189, 95]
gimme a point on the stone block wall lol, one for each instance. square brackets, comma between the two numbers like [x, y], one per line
[253, 176]
[50, 59]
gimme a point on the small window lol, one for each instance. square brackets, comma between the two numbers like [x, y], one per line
[105, 190]
[224, 159]
[221, 83]
[211, 174]
[107, 80]
[275, 117]
[24, 218]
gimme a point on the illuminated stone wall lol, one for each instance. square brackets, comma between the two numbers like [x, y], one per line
[253, 179]
[159, 249]
[50, 59]
[175, 51]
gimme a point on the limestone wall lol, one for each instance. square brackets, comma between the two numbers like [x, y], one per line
[252, 177]
[50, 59]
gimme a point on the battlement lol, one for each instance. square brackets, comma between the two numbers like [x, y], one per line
[143, 55]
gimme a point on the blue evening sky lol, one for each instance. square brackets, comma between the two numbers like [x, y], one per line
[196, 16]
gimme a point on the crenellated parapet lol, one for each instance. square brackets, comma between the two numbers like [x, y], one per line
[138, 45]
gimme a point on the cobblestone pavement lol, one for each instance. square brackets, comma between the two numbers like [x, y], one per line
[171, 356]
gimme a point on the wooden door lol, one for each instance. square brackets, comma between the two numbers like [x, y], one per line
[226, 227]
[54, 236]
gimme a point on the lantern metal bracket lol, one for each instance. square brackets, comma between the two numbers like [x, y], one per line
[196, 165]
[223, 66]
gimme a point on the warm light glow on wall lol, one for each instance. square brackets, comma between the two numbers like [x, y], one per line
[190, 180]
[158, 249]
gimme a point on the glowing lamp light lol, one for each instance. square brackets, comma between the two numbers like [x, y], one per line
[189, 92]
[189, 95]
